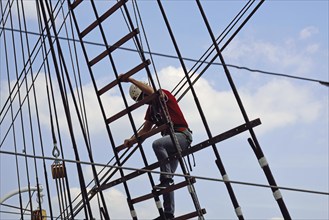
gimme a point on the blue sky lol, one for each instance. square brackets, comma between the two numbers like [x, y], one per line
[288, 37]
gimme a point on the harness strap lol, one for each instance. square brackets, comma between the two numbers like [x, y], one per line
[182, 130]
[189, 162]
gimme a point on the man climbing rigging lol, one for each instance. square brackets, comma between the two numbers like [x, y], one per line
[164, 146]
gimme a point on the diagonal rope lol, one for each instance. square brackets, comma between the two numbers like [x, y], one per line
[176, 174]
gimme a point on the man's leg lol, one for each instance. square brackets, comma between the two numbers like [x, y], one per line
[164, 147]
[160, 147]
[169, 203]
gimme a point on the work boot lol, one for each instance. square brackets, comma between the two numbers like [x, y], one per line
[169, 216]
[164, 184]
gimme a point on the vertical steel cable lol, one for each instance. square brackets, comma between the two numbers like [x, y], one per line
[85, 136]
[28, 97]
[47, 70]
[79, 168]
[125, 103]
[52, 125]
[12, 117]
[59, 199]
[17, 84]
[127, 18]
[94, 84]
[67, 203]
[61, 195]
[64, 69]
[3, 19]
[22, 126]
[79, 82]
[52, 99]
[147, 43]
[141, 53]
[83, 119]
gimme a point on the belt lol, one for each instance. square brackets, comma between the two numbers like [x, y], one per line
[180, 129]
[176, 129]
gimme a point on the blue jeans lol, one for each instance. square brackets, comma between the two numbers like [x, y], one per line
[163, 148]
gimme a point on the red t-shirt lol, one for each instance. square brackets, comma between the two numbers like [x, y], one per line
[174, 110]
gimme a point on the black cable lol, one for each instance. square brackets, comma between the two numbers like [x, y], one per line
[11, 112]
[79, 81]
[64, 100]
[159, 172]
[38, 123]
[20, 101]
[51, 98]
[219, 39]
[14, 91]
[4, 20]
[322, 82]
[147, 43]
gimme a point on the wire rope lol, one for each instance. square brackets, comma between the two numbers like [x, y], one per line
[20, 101]
[79, 83]
[3, 13]
[176, 174]
[52, 102]
[147, 42]
[11, 112]
[45, 65]
[211, 48]
[18, 85]
[24, 70]
[323, 82]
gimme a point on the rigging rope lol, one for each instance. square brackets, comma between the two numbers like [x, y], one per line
[21, 111]
[184, 58]
[14, 90]
[211, 48]
[11, 111]
[176, 174]
[51, 99]
[147, 42]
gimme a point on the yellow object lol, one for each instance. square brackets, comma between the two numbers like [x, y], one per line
[39, 215]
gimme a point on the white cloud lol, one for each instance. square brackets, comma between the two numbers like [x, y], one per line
[115, 200]
[308, 32]
[30, 9]
[287, 56]
[278, 103]
[312, 48]
[112, 103]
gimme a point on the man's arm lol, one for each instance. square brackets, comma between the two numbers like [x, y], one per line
[144, 87]
[146, 128]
